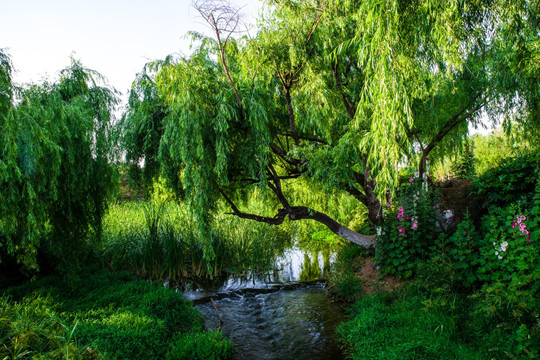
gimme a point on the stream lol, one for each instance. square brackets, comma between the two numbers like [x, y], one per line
[285, 314]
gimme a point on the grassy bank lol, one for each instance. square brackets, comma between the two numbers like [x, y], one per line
[422, 318]
[107, 316]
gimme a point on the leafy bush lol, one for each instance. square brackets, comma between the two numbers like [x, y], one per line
[493, 268]
[462, 253]
[409, 230]
[512, 182]
[510, 270]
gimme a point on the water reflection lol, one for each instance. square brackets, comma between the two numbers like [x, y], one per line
[293, 265]
[285, 324]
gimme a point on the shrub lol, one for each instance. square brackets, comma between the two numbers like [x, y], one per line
[512, 182]
[409, 230]
[462, 254]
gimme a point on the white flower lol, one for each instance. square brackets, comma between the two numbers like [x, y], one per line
[504, 245]
[500, 257]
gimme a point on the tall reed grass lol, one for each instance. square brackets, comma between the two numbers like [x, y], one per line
[162, 241]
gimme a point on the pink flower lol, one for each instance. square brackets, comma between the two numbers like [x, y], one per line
[401, 231]
[514, 224]
[523, 218]
[414, 226]
[411, 179]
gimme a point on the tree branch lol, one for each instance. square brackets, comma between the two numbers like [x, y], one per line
[276, 220]
[346, 100]
[226, 13]
[450, 124]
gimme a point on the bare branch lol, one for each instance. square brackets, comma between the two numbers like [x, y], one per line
[223, 19]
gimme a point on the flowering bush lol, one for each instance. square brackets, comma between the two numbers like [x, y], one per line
[461, 253]
[409, 230]
[507, 253]
[510, 271]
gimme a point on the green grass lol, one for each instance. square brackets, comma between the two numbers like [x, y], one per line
[400, 326]
[163, 242]
[109, 315]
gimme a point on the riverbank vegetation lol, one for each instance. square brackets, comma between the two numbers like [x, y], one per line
[471, 289]
[352, 116]
[108, 316]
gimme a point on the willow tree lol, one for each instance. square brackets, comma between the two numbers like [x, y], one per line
[55, 170]
[336, 93]
[142, 127]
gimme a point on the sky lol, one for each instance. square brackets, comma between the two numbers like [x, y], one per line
[114, 37]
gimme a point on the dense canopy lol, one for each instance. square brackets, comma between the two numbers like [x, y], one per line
[340, 94]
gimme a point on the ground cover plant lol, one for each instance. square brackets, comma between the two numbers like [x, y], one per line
[108, 316]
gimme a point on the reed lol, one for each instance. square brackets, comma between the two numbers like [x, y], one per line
[162, 241]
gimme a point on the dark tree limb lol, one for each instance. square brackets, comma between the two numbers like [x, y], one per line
[283, 155]
[290, 111]
[304, 212]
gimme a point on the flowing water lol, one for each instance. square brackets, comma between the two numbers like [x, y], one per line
[267, 320]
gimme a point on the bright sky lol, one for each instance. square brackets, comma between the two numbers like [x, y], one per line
[114, 37]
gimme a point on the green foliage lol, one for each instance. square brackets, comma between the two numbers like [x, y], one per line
[55, 172]
[497, 269]
[465, 167]
[34, 331]
[201, 346]
[110, 315]
[142, 127]
[492, 150]
[343, 281]
[509, 268]
[512, 182]
[461, 250]
[409, 230]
